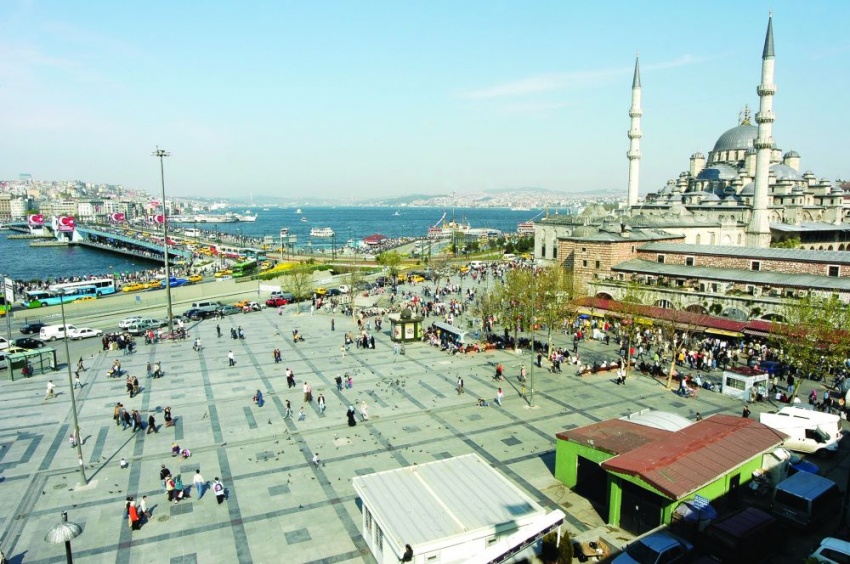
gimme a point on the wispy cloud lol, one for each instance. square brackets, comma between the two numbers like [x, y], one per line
[551, 82]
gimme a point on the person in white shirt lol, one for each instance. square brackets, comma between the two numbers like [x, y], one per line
[51, 387]
[199, 483]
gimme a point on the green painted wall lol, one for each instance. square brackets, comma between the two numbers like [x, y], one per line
[566, 460]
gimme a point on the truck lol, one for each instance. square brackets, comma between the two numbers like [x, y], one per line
[808, 431]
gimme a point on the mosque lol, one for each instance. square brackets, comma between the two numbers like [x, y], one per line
[745, 193]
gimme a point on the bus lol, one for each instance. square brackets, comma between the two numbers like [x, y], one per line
[103, 286]
[81, 292]
[2, 306]
[257, 254]
[241, 269]
[44, 298]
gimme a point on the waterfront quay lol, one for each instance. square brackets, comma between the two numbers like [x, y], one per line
[280, 507]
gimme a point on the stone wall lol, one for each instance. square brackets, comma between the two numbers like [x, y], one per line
[746, 263]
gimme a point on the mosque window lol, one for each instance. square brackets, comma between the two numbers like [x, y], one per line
[598, 264]
[755, 265]
[689, 261]
[660, 259]
[554, 252]
[584, 263]
[833, 271]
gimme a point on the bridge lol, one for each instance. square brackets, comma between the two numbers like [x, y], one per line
[121, 243]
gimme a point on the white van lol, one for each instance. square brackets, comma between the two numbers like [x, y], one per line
[808, 430]
[53, 332]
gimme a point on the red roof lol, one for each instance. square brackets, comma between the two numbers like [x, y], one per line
[614, 436]
[687, 460]
[374, 239]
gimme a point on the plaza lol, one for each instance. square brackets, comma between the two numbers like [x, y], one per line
[280, 505]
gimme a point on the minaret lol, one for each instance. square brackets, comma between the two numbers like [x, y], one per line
[758, 230]
[634, 138]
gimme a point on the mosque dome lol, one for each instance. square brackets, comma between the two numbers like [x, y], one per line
[748, 190]
[711, 197]
[584, 231]
[740, 137]
[792, 155]
[785, 172]
[836, 189]
[797, 189]
[594, 210]
[718, 171]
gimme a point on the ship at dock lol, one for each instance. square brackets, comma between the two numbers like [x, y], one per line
[322, 232]
[212, 218]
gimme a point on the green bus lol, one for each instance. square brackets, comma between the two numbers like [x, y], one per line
[242, 269]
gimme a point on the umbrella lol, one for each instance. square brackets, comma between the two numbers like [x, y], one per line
[691, 513]
[63, 533]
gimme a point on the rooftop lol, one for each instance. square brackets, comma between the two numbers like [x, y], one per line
[798, 255]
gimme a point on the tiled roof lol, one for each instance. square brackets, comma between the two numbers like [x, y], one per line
[801, 255]
[685, 461]
[614, 436]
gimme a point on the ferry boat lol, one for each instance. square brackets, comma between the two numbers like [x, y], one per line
[447, 228]
[322, 232]
[204, 218]
[298, 210]
[246, 217]
[525, 228]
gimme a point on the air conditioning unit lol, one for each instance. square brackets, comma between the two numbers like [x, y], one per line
[757, 291]
[802, 293]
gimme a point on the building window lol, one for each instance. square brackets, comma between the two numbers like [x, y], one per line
[833, 271]
[755, 265]
[584, 263]
[584, 249]
[598, 264]
[369, 522]
[554, 252]
[633, 249]
[660, 259]
[542, 250]
[689, 261]
[379, 539]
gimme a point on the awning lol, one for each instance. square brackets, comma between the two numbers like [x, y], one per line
[756, 333]
[724, 332]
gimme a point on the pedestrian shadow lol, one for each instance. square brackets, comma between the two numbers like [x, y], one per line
[104, 462]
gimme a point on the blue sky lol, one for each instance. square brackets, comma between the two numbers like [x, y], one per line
[356, 99]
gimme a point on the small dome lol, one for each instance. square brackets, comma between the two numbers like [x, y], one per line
[594, 210]
[718, 172]
[748, 190]
[792, 155]
[784, 172]
[808, 174]
[798, 189]
[584, 231]
[740, 137]
[836, 189]
[711, 197]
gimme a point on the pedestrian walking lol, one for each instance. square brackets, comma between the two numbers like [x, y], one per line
[151, 425]
[218, 330]
[144, 514]
[72, 439]
[522, 373]
[133, 516]
[51, 389]
[288, 410]
[333, 324]
[308, 393]
[321, 402]
[316, 459]
[231, 358]
[459, 385]
[364, 410]
[199, 483]
[80, 364]
[150, 370]
[218, 489]
[499, 396]
[77, 383]
[301, 415]
[338, 381]
[117, 413]
[746, 413]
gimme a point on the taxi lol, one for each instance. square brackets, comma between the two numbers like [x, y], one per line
[226, 272]
[242, 304]
[195, 278]
[321, 291]
[416, 278]
[133, 287]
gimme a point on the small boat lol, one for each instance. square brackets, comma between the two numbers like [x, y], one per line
[322, 232]
[396, 213]
[304, 219]
[264, 209]
[298, 210]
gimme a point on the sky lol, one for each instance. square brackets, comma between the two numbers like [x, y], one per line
[362, 99]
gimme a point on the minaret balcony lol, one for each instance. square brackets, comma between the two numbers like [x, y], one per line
[763, 143]
[635, 112]
[635, 134]
[766, 89]
[765, 117]
[634, 154]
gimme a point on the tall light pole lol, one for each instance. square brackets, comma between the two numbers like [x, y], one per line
[79, 439]
[531, 369]
[162, 154]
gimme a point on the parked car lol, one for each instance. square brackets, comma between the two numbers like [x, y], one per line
[285, 295]
[656, 548]
[4, 343]
[27, 343]
[10, 350]
[145, 324]
[254, 306]
[344, 288]
[84, 333]
[32, 328]
[334, 292]
[381, 281]
[277, 302]
[195, 314]
[127, 321]
[321, 291]
[832, 550]
[229, 310]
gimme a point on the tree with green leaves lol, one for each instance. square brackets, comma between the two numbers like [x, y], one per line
[390, 260]
[299, 282]
[813, 333]
[554, 292]
[513, 300]
[631, 308]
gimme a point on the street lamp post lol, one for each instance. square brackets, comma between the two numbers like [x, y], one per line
[73, 395]
[531, 368]
[162, 154]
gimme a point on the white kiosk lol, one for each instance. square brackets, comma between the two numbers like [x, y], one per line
[739, 382]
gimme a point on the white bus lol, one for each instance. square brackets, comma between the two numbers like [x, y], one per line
[103, 286]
